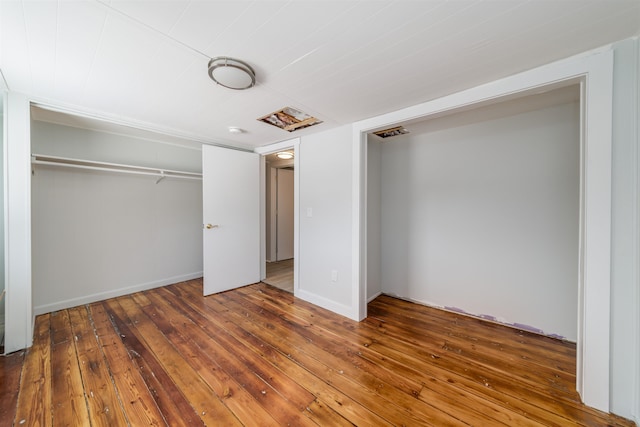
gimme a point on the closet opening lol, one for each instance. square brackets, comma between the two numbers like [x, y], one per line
[114, 209]
[479, 212]
[593, 76]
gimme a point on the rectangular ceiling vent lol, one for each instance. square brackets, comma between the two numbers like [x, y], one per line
[290, 119]
[387, 133]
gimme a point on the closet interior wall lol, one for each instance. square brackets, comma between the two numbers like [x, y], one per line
[478, 212]
[98, 234]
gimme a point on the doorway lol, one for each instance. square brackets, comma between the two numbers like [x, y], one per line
[279, 219]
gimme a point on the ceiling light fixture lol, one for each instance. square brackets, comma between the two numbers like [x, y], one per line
[235, 130]
[231, 73]
[285, 155]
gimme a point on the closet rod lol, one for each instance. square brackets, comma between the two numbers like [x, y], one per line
[39, 159]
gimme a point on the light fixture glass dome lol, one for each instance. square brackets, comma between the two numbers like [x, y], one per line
[231, 73]
[285, 155]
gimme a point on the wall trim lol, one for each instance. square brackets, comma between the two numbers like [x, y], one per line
[320, 301]
[17, 181]
[636, 392]
[594, 70]
[113, 293]
[376, 296]
[483, 317]
[277, 146]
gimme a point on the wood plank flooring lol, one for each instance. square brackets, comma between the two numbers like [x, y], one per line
[280, 275]
[256, 356]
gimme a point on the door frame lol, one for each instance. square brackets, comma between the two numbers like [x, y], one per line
[290, 144]
[594, 72]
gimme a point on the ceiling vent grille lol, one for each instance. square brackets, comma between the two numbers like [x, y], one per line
[387, 133]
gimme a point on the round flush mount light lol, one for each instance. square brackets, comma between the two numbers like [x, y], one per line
[235, 130]
[231, 73]
[285, 155]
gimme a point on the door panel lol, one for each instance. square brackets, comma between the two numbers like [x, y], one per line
[231, 216]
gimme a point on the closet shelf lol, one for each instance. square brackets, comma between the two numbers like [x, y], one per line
[40, 159]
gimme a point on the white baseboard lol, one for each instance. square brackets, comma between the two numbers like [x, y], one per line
[325, 303]
[486, 318]
[374, 297]
[112, 293]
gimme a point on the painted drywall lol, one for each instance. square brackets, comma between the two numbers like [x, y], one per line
[374, 176]
[285, 214]
[483, 217]
[625, 241]
[270, 217]
[66, 141]
[100, 234]
[279, 213]
[325, 226]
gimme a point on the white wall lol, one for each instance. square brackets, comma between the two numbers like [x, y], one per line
[625, 244]
[100, 234]
[270, 200]
[483, 217]
[325, 223]
[279, 214]
[374, 244]
[67, 141]
[285, 214]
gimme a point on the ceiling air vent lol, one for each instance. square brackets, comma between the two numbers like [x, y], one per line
[386, 133]
[290, 119]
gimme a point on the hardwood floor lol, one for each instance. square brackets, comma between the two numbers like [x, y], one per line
[258, 356]
[280, 275]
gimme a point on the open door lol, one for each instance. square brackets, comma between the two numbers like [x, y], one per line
[231, 216]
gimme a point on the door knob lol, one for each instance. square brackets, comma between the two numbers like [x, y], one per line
[209, 226]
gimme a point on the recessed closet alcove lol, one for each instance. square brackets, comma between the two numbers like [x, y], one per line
[478, 211]
[114, 210]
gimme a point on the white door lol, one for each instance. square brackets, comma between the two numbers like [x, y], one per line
[231, 216]
[285, 214]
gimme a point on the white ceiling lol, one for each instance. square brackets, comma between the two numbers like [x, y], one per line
[144, 63]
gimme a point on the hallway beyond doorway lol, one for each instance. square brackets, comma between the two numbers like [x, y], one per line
[280, 275]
